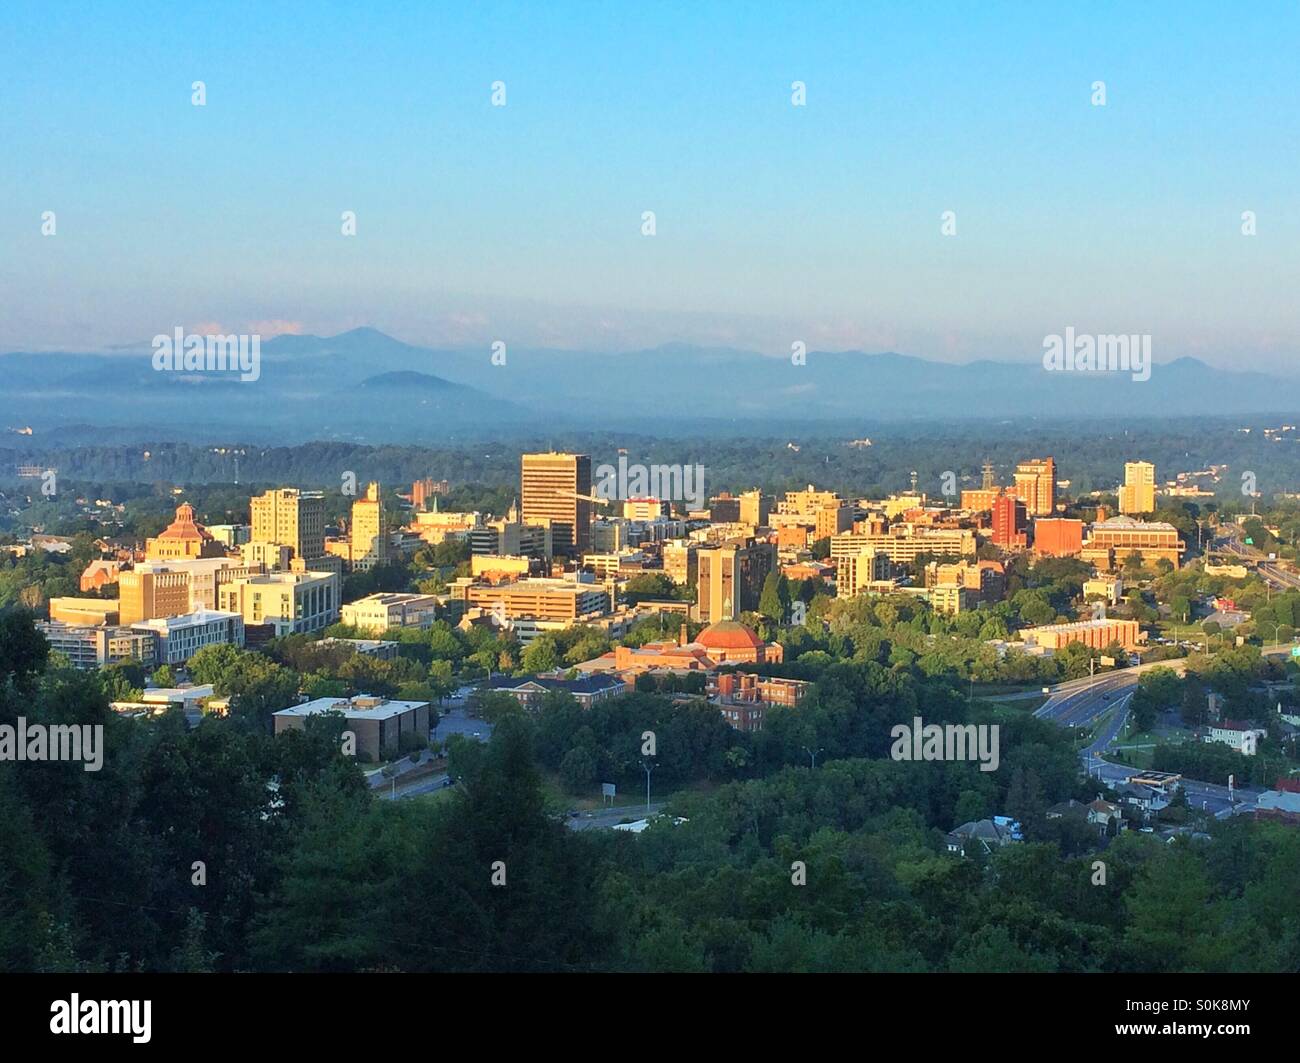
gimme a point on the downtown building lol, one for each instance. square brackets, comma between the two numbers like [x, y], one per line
[555, 492]
[729, 579]
[1138, 493]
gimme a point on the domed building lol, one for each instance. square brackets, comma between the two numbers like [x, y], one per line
[182, 539]
[731, 642]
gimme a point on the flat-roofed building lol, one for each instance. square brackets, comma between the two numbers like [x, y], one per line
[88, 647]
[292, 603]
[376, 613]
[730, 579]
[555, 491]
[1095, 634]
[854, 572]
[1112, 541]
[1009, 523]
[904, 545]
[379, 725]
[149, 592]
[538, 599]
[291, 518]
[85, 611]
[1036, 486]
[1138, 493]
[1058, 537]
[1108, 587]
[681, 561]
[180, 637]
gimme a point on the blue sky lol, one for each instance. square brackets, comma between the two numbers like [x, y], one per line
[775, 223]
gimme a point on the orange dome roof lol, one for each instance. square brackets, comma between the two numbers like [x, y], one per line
[729, 635]
[185, 526]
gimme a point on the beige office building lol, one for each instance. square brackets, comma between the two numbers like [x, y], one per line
[369, 538]
[555, 490]
[730, 579]
[1138, 495]
[152, 593]
[1036, 486]
[291, 518]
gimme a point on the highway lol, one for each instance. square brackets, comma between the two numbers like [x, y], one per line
[1080, 703]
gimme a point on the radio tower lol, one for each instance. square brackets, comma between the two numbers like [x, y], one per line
[988, 475]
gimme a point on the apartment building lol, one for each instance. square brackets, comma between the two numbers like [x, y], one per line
[178, 638]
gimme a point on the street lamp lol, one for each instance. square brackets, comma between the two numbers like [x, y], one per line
[813, 755]
[648, 769]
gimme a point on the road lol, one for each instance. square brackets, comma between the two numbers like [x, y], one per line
[1082, 703]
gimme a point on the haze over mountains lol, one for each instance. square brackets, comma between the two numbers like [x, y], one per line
[364, 385]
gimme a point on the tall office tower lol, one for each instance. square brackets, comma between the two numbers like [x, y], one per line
[369, 539]
[1036, 486]
[291, 518]
[989, 483]
[755, 508]
[555, 491]
[1009, 522]
[1138, 495]
[730, 579]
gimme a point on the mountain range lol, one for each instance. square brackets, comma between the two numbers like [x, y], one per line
[366, 386]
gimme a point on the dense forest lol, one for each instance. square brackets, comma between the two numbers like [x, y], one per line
[222, 848]
[732, 462]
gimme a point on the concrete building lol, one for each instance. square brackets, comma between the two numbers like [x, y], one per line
[150, 592]
[1110, 542]
[291, 518]
[292, 602]
[1036, 486]
[368, 537]
[903, 545]
[555, 491]
[855, 571]
[730, 579]
[376, 613]
[1105, 586]
[180, 637]
[537, 599]
[378, 724]
[85, 611]
[89, 647]
[1138, 494]
[681, 562]
[755, 508]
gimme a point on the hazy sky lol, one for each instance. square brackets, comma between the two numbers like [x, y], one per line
[775, 223]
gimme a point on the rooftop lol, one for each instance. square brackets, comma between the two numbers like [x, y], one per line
[361, 707]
